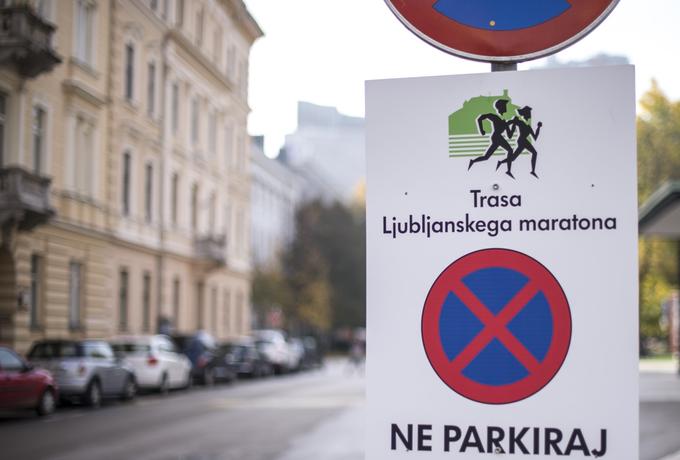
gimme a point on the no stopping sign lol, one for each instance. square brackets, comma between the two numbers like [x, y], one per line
[496, 326]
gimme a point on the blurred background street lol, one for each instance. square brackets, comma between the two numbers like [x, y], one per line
[312, 415]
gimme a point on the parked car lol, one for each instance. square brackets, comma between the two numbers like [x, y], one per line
[207, 367]
[155, 360]
[246, 359]
[296, 354]
[22, 386]
[313, 357]
[272, 344]
[85, 370]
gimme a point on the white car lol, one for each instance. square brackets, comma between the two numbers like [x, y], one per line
[272, 344]
[157, 364]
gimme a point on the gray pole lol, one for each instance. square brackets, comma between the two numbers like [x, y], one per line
[503, 66]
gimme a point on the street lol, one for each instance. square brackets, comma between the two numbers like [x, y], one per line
[286, 417]
[317, 415]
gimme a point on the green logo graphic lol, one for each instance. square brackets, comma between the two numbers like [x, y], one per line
[487, 126]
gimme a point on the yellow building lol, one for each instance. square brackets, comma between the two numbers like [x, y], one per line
[124, 169]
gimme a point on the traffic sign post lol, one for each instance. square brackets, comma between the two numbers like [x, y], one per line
[502, 265]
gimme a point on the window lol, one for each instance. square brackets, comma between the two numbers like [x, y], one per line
[129, 71]
[228, 144]
[213, 307]
[151, 90]
[36, 291]
[39, 140]
[212, 211]
[227, 311]
[212, 139]
[84, 31]
[217, 46]
[199, 305]
[126, 183]
[123, 289]
[231, 62]
[173, 198]
[239, 313]
[240, 232]
[175, 108]
[194, 207]
[176, 300]
[148, 192]
[83, 153]
[146, 302]
[75, 295]
[199, 27]
[3, 122]
[195, 122]
[43, 8]
[180, 12]
[9, 362]
[98, 350]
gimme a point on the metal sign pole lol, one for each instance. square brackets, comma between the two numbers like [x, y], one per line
[503, 66]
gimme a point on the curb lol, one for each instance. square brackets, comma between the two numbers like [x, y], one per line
[675, 456]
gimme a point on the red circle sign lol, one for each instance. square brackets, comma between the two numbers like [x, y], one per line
[496, 326]
[501, 30]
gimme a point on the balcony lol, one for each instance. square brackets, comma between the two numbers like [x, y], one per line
[24, 198]
[25, 41]
[212, 248]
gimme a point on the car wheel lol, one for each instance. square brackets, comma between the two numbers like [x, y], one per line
[164, 387]
[208, 377]
[47, 403]
[93, 395]
[129, 389]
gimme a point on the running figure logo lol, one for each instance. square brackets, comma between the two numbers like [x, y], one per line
[487, 126]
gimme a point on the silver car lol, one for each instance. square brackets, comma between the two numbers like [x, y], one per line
[85, 369]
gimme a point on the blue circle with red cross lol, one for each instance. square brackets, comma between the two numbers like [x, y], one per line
[496, 326]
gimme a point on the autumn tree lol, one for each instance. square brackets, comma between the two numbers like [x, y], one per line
[658, 131]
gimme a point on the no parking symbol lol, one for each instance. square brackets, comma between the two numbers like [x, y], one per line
[496, 326]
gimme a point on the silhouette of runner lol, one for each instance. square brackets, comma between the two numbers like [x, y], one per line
[523, 142]
[499, 126]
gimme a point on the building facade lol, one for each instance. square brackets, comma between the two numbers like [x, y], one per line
[275, 196]
[136, 144]
[328, 151]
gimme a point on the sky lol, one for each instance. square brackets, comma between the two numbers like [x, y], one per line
[322, 51]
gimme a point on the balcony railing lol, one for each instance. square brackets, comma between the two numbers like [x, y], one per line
[24, 198]
[212, 248]
[26, 41]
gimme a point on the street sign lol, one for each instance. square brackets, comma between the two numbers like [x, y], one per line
[496, 326]
[502, 265]
[501, 30]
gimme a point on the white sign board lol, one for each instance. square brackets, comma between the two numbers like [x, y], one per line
[502, 265]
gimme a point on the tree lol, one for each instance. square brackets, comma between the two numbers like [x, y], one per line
[322, 280]
[658, 130]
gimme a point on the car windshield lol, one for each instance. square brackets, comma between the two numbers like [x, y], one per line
[130, 348]
[237, 351]
[54, 350]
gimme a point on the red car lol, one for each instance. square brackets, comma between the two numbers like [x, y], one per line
[24, 387]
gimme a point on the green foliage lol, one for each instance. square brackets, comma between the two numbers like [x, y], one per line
[322, 282]
[269, 290]
[658, 133]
